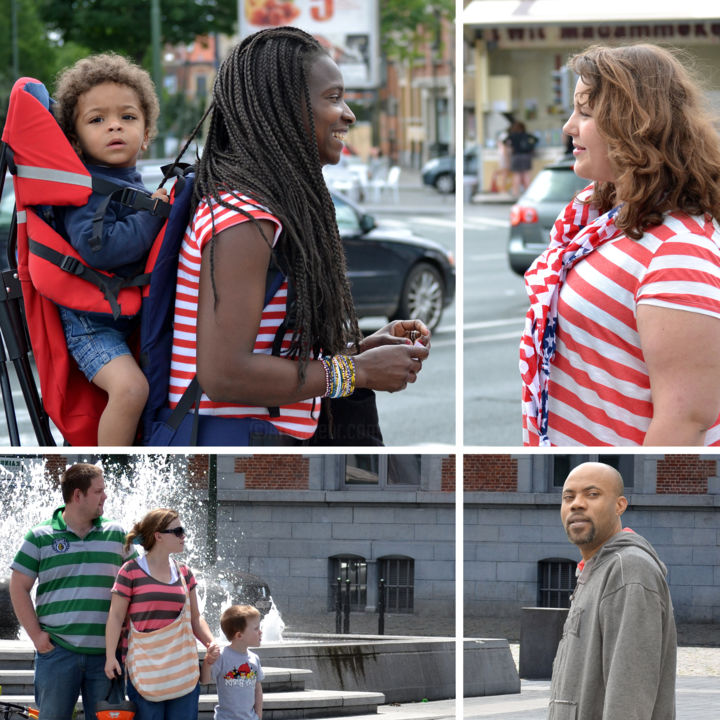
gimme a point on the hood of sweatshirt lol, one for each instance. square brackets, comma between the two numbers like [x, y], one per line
[625, 539]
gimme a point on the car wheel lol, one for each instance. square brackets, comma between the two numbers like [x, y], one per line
[422, 295]
[445, 183]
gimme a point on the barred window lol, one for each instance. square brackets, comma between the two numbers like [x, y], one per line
[348, 574]
[399, 576]
[556, 582]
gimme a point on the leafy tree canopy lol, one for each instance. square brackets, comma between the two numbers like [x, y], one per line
[405, 24]
[125, 26]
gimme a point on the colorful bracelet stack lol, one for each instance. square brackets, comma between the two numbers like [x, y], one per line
[339, 375]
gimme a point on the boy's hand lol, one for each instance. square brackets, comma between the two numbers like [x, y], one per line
[161, 194]
[212, 654]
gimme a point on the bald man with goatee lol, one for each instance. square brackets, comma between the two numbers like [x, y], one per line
[617, 656]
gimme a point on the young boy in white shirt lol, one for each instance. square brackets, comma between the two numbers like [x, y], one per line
[236, 670]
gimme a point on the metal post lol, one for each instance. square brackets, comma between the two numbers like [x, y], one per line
[381, 607]
[338, 607]
[158, 144]
[14, 40]
[346, 608]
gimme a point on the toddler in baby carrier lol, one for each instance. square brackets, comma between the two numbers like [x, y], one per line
[47, 272]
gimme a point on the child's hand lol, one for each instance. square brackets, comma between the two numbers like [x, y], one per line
[161, 194]
[212, 654]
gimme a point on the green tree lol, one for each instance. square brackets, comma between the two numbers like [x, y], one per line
[39, 55]
[124, 27]
[406, 24]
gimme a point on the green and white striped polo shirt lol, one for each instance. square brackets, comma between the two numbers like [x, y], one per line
[74, 579]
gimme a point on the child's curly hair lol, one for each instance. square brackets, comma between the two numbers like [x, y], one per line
[94, 70]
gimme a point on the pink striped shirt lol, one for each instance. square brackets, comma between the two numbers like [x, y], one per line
[599, 388]
[297, 419]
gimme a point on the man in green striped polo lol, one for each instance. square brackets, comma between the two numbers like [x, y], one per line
[74, 556]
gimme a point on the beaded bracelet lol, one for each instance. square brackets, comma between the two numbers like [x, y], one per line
[339, 375]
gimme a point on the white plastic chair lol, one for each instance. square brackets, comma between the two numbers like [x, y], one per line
[391, 182]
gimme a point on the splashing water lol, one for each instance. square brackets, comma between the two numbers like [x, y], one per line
[28, 496]
[272, 624]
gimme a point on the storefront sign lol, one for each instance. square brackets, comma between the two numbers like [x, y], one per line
[532, 36]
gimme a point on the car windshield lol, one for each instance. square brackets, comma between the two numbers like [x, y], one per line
[554, 184]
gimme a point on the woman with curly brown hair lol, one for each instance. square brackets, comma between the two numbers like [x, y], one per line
[622, 339]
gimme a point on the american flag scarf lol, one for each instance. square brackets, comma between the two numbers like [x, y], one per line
[576, 233]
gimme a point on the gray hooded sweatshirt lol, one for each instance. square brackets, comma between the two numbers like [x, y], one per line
[617, 656]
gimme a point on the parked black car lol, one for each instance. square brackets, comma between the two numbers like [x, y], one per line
[392, 271]
[440, 172]
[535, 212]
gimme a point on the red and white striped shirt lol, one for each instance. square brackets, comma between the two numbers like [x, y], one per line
[599, 388]
[297, 419]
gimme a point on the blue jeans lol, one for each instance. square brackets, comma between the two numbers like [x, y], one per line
[182, 708]
[94, 340]
[62, 675]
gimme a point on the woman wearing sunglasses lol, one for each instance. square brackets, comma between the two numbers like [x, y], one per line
[156, 596]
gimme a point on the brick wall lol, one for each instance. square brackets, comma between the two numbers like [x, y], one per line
[686, 474]
[274, 472]
[55, 466]
[494, 473]
[447, 473]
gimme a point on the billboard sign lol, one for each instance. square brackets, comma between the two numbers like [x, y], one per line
[348, 29]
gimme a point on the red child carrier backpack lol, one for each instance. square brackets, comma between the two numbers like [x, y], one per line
[47, 172]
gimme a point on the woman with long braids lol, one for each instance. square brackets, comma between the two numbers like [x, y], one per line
[622, 340]
[262, 206]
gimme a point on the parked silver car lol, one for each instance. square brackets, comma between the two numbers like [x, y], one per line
[535, 212]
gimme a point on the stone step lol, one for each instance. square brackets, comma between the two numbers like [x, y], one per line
[20, 682]
[282, 705]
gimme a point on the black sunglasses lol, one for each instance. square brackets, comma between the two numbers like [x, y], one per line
[177, 532]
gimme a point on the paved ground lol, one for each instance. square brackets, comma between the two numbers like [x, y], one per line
[698, 684]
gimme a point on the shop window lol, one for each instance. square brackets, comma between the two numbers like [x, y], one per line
[563, 464]
[394, 471]
[399, 576]
[556, 582]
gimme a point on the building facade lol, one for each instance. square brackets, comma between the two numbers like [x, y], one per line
[516, 552]
[516, 53]
[307, 524]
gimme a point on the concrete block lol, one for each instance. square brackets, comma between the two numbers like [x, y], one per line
[521, 533]
[481, 571]
[477, 532]
[522, 571]
[373, 514]
[673, 519]
[706, 556]
[500, 552]
[310, 531]
[331, 513]
[540, 633]
[488, 668]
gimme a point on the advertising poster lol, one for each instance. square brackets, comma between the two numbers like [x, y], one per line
[347, 28]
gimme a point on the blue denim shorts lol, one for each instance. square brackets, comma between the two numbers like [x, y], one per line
[94, 340]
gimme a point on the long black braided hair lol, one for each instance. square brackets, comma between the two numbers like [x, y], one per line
[258, 145]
